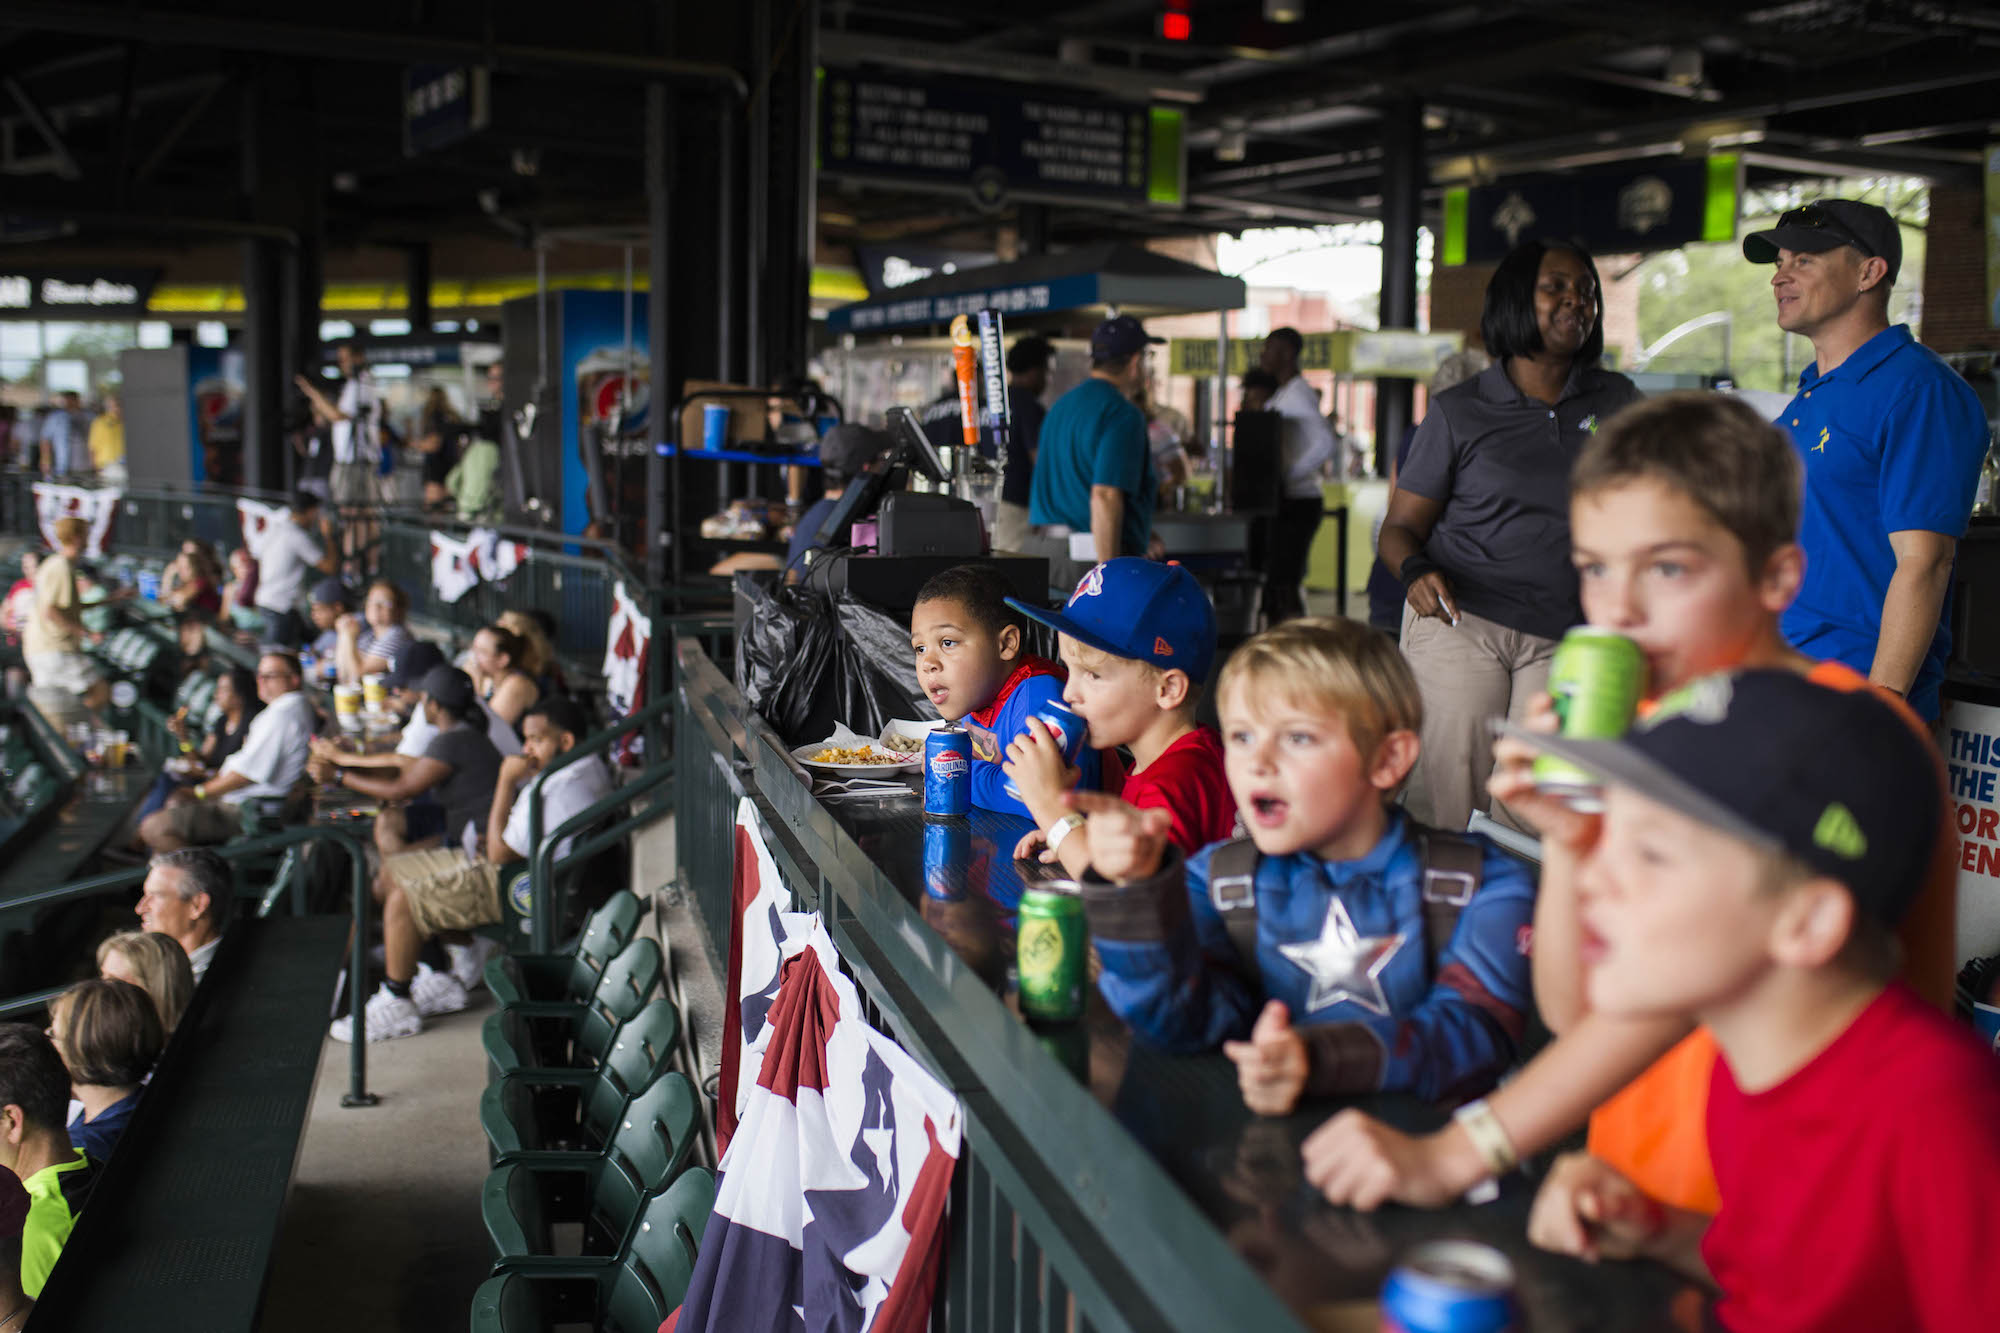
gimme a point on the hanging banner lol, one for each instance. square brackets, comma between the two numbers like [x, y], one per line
[493, 556]
[1993, 236]
[1657, 204]
[1972, 766]
[830, 1201]
[97, 506]
[453, 570]
[626, 643]
[1378, 353]
[761, 906]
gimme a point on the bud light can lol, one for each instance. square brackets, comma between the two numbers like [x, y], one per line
[947, 857]
[1450, 1286]
[1068, 728]
[947, 771]
[1596, 678]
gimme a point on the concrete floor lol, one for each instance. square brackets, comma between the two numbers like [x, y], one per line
[382, 1231]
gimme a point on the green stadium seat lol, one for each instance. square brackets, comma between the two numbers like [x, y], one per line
[575, 1108]
[526, 1197]
[633, 1293]
[517, 977]
[574, 1036]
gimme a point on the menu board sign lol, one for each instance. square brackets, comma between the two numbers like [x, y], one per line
[76, 293]
[998, 141]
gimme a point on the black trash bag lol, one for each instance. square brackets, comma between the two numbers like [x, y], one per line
[805, 661]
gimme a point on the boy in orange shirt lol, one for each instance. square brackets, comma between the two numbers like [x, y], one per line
[1683, 515]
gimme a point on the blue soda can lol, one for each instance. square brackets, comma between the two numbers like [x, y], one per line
[1450, 1286]
[947, 856]
[1066, 725]
[947, 771]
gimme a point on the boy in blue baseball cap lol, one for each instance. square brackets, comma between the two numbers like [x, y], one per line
[1139, 639]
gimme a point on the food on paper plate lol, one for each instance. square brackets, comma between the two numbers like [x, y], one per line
[901, 744]
[854, 754]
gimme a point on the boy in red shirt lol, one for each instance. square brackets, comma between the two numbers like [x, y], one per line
[1763, 838]
[973, 666]
[1139, 640]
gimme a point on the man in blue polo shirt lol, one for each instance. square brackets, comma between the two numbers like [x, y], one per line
[1094, 466]
[1892, 440]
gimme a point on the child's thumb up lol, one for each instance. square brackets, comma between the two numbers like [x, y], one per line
[1273, 1023]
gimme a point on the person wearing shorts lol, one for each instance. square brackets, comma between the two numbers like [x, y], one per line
[53, 641]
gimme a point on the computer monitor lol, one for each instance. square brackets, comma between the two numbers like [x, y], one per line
[863, 495]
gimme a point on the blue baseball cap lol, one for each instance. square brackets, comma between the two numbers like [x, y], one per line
[1141, 609]
[1118, 337]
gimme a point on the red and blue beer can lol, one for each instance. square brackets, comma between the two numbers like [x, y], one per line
[1066, 726]
[1450, 1286]
[947, 771]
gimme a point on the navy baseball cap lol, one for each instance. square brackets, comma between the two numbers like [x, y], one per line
[448, 687]
[1119, 337]
[416, 662]
[1835, 779]
[1828, 224]
[1130, 607]
[332, 592]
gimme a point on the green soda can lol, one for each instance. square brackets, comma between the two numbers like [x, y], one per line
[1049, 952]
[1597, 679]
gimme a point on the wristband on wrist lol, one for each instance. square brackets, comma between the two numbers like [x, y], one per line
[1062, 828]
[1416, 567]
[201, 791]
[1489, 1137]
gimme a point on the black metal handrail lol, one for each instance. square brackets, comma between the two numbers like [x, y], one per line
[357, 1090]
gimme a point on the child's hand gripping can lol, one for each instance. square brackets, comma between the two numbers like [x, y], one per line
[947, 771]
[1068, 729]
[1596, 679]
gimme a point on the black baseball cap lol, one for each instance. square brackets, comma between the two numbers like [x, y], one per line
[1827, 224]
[1835, 779]
[448, 687]
[415, 662]
[850, 447]
[1119, 337]
[332, 592]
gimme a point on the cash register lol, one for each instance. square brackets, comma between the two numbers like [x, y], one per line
[916, 533]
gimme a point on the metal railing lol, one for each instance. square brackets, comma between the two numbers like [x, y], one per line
[357, 1093]
[1052, 1194]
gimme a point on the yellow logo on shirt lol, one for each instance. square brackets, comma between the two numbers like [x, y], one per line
[1825, 433]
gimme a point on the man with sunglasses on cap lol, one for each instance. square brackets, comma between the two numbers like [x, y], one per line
[1892, 440]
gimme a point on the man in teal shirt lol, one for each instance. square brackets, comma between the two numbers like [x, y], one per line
[34, 1145]
[1094, 469]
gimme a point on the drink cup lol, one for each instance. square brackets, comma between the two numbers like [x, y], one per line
[715, 426]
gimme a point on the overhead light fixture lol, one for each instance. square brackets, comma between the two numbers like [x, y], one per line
[1684, 66]
[1283, 11]
[1231, 146]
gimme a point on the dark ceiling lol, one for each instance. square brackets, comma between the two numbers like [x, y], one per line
[135, 120]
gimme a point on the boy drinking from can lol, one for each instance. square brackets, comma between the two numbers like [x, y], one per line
[1138, 638]
[1683, 515]
[1763, 837]
[974, 669]
[1398, 952]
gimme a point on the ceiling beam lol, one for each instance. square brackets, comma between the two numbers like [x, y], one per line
[66, 165]
[849, 48]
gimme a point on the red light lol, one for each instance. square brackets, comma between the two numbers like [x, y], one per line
[1176, 27]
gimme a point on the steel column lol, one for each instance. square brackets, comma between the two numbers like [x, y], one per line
[1402, 197]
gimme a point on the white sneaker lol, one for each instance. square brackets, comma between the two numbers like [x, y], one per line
[468, 961]
[435, 992]
[388, 1016]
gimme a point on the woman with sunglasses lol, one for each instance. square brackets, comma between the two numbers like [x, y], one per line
[1478, 524]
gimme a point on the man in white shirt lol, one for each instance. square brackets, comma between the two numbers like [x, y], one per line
[271, 762]
[187, 896]
[289, 555]
[354, 422]
[1305, 444]
[453, 889]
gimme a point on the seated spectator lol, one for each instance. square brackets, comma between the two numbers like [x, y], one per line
[186, 897]
[108, 1035]
[538, 650]
[14, 1205]
[331, 602]
[54, 639]
[234, 707]
[155, 963]
[193, 579]
[21, 597]
[498, 675]
[270, 763]
[370, 643]
[239, 594]
[457, 888]
[191, 631]
[34, 1094]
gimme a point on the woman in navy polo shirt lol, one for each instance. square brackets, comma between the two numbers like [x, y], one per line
[1478, 524]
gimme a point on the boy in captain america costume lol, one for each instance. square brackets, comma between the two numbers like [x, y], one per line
[975, 670]
[1400, 953]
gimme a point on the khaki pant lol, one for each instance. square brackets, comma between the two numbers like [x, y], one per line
[447, 890]
[1469, 675]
